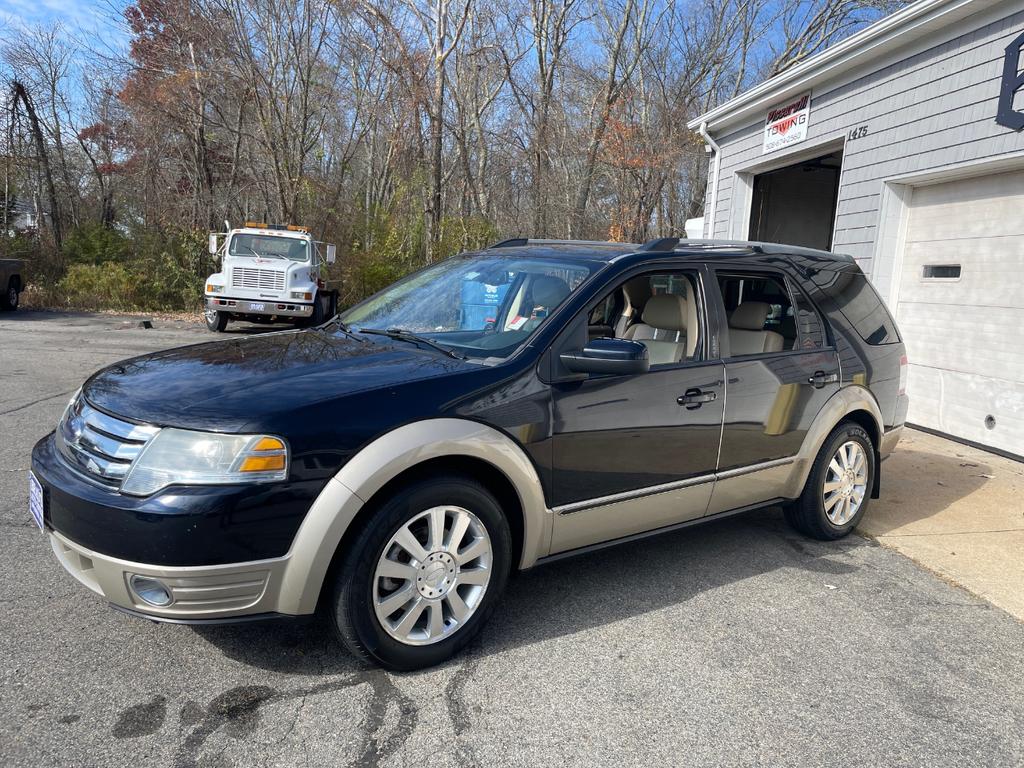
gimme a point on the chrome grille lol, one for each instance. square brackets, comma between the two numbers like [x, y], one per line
[98, 445]
[257, 279]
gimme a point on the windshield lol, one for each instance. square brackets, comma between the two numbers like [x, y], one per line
[269, 247]
[480, 305]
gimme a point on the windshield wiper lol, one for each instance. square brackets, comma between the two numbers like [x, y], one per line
[341, 326]
[404, 335]
[261, 255]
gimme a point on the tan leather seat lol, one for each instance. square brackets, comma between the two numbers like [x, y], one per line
[663, 330]
[747, 335]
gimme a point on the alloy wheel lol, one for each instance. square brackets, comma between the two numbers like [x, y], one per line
[432, 575]
[846, 483]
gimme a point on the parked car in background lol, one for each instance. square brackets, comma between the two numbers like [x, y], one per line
[12, 282]
[393, 465]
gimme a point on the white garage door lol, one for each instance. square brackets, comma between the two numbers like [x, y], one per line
[961, 309]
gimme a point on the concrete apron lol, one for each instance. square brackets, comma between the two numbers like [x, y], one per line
[957, 511]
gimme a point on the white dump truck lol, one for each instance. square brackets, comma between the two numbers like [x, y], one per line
[268, 273]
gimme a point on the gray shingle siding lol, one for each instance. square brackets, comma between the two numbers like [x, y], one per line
[933, 109]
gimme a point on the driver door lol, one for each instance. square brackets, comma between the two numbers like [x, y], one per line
[635, 453]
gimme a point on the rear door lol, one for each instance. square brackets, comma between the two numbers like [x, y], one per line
[772, 396]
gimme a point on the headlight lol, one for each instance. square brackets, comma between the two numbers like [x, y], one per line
[181, 457]
[306, 295]
[212, 288]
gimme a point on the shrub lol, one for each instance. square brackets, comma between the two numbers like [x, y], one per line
[95, 244]
[98, 286]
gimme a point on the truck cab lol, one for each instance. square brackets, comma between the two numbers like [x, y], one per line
[269, 273]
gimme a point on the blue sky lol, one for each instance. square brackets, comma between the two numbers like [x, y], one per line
[94, 18]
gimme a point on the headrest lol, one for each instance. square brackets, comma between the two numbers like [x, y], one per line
[637, 290]
[549, 291]
[750, 316]
[666, 311]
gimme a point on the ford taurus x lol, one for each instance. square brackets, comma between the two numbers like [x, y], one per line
[488, 413]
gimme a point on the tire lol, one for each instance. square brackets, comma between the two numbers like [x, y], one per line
[319, 312]
[11, 296]
[435, 631]
[216, 320]
[849, 489]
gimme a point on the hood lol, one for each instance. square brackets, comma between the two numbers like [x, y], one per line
[224, 385]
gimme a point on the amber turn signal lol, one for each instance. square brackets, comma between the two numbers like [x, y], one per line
[262, 463]
[268, 444]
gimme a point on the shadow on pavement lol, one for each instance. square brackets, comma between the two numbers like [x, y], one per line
[921, 484]
[576, 594]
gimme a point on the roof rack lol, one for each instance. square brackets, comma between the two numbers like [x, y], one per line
[724, 245]
[516, 242]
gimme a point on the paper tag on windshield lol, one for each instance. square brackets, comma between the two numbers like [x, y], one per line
[517, 322]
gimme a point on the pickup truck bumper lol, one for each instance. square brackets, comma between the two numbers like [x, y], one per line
[269, 307]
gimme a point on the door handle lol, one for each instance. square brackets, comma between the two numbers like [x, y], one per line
[695, 398]
[820, 379]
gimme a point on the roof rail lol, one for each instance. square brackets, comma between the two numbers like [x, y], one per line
[725, 245]
[660, 245]
[516, 242]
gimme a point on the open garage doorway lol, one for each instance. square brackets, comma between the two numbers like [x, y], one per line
[796, 205]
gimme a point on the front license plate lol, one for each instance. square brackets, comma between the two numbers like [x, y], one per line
[35, 499]
[257, 307]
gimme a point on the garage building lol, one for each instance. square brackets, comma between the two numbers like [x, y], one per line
[903, 146]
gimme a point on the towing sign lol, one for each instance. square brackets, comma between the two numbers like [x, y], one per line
[786, 124]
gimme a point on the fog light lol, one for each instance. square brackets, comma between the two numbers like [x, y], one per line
[150, 590]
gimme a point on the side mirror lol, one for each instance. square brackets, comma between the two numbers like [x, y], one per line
[213, 244]
[616, 356]
[332, 253]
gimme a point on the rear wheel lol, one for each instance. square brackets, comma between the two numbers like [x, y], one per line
[423, 574]
[216, 321]
[839, 486]
[11, 296]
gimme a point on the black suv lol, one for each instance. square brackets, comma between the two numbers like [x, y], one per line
[493, 411]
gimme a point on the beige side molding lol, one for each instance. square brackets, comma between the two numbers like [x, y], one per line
[381, 461]
[847, 400]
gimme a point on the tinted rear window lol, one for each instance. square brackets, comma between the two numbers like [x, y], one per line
[860, 305]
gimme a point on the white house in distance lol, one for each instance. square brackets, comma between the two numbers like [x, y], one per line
[903, 146]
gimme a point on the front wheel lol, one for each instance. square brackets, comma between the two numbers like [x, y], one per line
[839, 486]
[216, 321]
[318, 317]
[423, 574]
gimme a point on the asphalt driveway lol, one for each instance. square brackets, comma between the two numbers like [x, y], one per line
[736, 643]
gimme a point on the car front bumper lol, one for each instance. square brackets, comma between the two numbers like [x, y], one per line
[199, 594]
[222, 552]
[269, 307]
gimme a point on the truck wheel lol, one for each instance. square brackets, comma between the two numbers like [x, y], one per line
[319, 312]
[423, 574]
[839, 486]
[11, 296]
[216, 320]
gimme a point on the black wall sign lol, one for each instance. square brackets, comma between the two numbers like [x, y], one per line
[1013, 81]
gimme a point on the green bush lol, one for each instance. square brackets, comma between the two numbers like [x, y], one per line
[152, 272]
[95, 244]
[98, 286]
